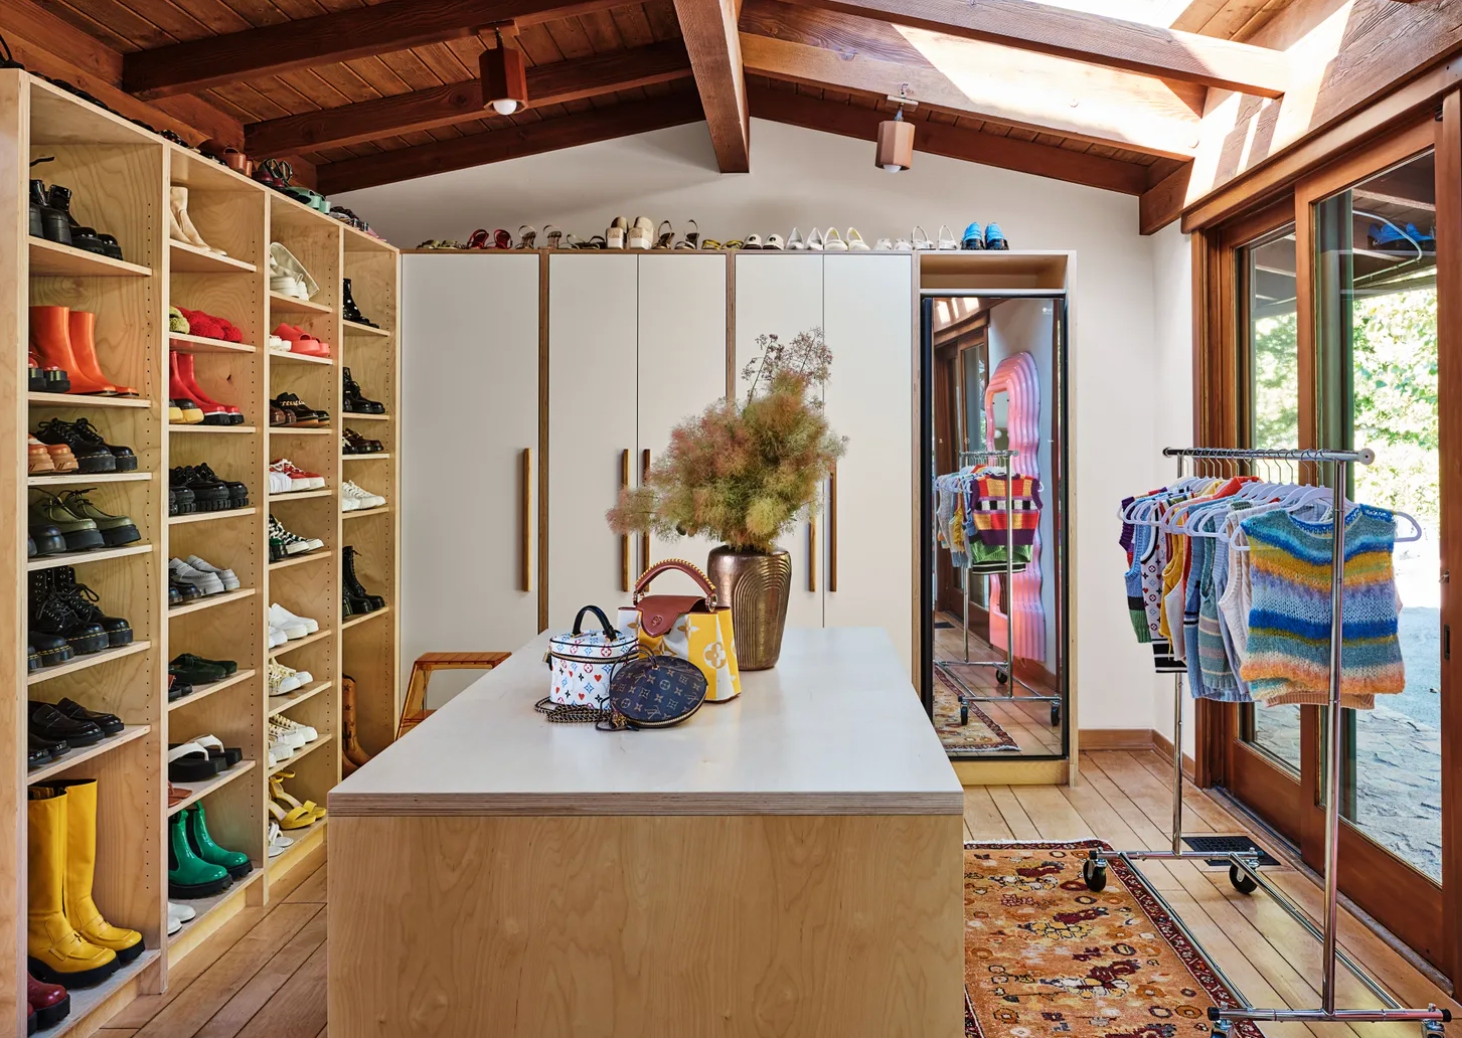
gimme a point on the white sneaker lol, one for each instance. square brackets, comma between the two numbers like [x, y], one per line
[279, 483]
[289, 738]
[293, 630]
[182, 913]
[278, 751]
[364, 497]
[348, 502]
[282, 680]
[277, 637]
[278, 345]
[207, 583]
[282, 617]
[230, 580]
[290, 724]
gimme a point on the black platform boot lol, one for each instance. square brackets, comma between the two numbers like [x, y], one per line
[50, 614]
[358, 599]
[83, 602]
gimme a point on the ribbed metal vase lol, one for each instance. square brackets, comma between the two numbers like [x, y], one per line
[757, 585]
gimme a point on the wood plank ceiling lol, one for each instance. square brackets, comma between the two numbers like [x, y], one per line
[372, 96]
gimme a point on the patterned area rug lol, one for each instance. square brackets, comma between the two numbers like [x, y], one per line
[980, 733]
[1046, 958]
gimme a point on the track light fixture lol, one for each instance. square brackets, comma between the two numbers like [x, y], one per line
[504, 79]
[895, 152]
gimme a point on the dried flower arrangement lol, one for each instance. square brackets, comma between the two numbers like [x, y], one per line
[744, 474]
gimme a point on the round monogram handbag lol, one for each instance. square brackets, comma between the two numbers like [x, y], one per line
[653, 691]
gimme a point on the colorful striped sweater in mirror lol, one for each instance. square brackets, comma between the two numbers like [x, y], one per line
[1288, 658]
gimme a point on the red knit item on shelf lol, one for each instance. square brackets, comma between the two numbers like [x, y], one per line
[210, 327]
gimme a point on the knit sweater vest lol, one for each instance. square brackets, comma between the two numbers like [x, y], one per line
[1288, 658]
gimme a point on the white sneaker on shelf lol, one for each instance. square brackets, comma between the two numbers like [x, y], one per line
[282, 680]
[278, 751]
[277, 637]
[289, 738]
[207, 583]
[364, 498]
[229, 578]
[290, 724]
[282, 617]
[280, 482]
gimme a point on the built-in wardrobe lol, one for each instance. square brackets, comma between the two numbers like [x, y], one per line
[540, 383]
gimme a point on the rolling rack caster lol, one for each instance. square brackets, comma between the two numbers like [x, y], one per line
[1094, 873]
[1244, 872]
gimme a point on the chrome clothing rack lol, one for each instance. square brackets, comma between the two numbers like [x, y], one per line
[1004, 669]
[1244, 865]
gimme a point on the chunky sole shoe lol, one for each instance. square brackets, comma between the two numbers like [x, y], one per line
[117, 536]
[88, 643]
[52, 650]
[78, 979]
[191, 891]
[50, 1016]
[48, 540]
[84, 540]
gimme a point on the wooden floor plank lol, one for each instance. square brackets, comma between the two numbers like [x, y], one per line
[983, 818]
[281, 889]
[1051, 813]
[1015, 817]
[1160, 767]
[235, 1015]
[312, 890]
[224, 979]
[1143, 789]
[298, 1009]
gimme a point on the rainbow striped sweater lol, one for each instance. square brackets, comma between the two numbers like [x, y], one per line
[1290, 619]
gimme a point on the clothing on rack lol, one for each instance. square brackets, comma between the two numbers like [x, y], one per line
[1207, 604]
[970, 518]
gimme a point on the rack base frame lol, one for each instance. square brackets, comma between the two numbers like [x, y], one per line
[1244, 866]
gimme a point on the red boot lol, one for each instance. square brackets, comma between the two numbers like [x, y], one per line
[213, 413]
[83, 348]
[50, 337]
[50, 1001]
[189, 382]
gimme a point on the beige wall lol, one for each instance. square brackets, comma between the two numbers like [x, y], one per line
[1120, 379]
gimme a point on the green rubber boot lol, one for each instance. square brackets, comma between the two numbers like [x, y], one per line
[189, 876]
[236, 862]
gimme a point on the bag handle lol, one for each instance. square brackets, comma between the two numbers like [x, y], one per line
[599, 614]
[680, 566]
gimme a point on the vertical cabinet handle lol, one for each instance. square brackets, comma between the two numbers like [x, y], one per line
[525, 519]
[644, 537]
[624, 559]
[812, 553]
[832, 530]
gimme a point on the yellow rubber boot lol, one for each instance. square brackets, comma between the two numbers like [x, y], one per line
[57, 953]
[81, 909]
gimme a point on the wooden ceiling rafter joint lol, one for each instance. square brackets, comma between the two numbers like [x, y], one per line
[397, 114]
[714, 44]
[338, 36]
[1098, 39]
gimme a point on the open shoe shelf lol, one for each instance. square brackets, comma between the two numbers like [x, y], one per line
[120, 174]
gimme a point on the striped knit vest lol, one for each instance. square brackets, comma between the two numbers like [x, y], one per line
[1288, 658]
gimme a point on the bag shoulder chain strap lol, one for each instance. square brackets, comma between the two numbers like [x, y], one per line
[567, 713]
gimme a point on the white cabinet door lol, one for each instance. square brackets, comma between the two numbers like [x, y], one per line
[682, 370]
[592, 319]
[868, 308]
[781, 294]
[470, 391]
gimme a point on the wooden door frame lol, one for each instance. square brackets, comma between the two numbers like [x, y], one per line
[1368, 875]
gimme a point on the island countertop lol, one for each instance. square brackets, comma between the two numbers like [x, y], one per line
[835, 728]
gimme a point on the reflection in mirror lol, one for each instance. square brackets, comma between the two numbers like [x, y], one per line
[998, 569]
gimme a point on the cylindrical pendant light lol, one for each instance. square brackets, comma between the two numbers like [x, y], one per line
[895, 152]
[504, 79]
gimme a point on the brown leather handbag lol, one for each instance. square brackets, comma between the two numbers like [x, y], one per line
[689, 627]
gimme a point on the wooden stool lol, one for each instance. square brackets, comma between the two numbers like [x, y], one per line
[414, 710]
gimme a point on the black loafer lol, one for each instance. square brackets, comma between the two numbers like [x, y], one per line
[110, 724]
[43, 751]
[50, 723]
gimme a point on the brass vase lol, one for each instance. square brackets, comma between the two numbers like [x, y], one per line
[756, 585]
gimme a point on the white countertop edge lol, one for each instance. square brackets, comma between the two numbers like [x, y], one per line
[487, 805]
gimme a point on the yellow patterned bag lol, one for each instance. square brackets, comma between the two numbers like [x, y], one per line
[688, 627]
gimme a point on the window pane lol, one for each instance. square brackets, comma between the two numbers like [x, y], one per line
[1274, 422]
[1378, 343]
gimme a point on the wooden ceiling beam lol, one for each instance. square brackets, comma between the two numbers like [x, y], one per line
[184, 68]
[398, 114]
[987, 149]
[530, 138]
[1098, 39]
[714, 44]
[965, 77]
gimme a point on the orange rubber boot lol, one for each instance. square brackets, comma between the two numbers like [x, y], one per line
[50, 337]
[83, 348]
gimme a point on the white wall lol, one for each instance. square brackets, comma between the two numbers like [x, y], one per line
[808, 178]
[1029, 326]
[1172, 266]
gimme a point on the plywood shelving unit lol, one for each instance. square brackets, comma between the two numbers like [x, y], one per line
[120, 174]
